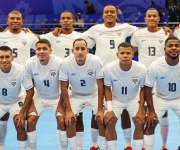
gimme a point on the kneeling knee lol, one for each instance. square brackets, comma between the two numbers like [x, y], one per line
[31, 123]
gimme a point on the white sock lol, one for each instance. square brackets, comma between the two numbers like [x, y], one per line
[63, 139]
[127, 137]
[102, 143]
[138, 144]
[3, 131]
[72, 143]
[148, 142]
[94, 136]
[32, 139]
[22, 145]
[112, 145]
[79, 140]
[164, 130]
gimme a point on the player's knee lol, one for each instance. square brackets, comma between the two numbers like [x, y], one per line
[138, 123]
[31, 123]
[79, 123]
[111, 123]
[18, 125]
[60, 122]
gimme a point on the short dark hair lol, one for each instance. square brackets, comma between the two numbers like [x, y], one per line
[79, 39]
[125, 45]
[67, 11]
[152, 8]
[5, 49]
[171, 37]
[45, 41]
[15, 12]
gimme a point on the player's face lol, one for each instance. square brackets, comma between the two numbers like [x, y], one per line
[152, 18]
[14, 21]
[5, 59]
[125, 55]
[172, 48]
[80, 51]
[66, 20]
[43, 52]
[109, 14]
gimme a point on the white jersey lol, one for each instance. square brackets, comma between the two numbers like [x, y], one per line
[63, 44]
[125, 84]
[45, 78]
[150, 44]
[165, 78]
[177, 33]
[21, 44]
[82, 79]
[107, 40]
[10, 86]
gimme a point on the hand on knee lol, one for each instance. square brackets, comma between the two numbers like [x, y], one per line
[31, 123]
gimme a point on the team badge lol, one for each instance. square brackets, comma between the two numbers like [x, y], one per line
[135, 80]
[13, 83]
[53, 73]
[90, 72]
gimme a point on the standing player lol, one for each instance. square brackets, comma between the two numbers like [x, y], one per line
[82, 71]
[63, 39]
[124, 90]
[149, 42]
[17, 39]
[10, 88]
[163, 76]
[41, 73]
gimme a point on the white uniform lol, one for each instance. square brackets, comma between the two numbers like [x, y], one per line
[150, 44]
[20, 43]
[82, 80]
[10, 89]
[107, 40]
[166, 80]
[177, 33]
[125, 86]
[45, 79]
[63, 44]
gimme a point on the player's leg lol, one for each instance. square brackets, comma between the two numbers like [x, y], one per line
[139, 122]
[4, 116]
[71, 127]
[79, 131]
[164, 130]
[32, 119]
[126, 126]
[110, 123]
[60, 117]
[20, 128]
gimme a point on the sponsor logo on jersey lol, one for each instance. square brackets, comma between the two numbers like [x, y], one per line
[162, 77]
[73, 74]
[35, 74]
[58, 41]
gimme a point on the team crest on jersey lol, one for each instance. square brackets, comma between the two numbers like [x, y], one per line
[160, 41]
[90, 72]
[135, 80]
[13, 83]
[53, 73]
